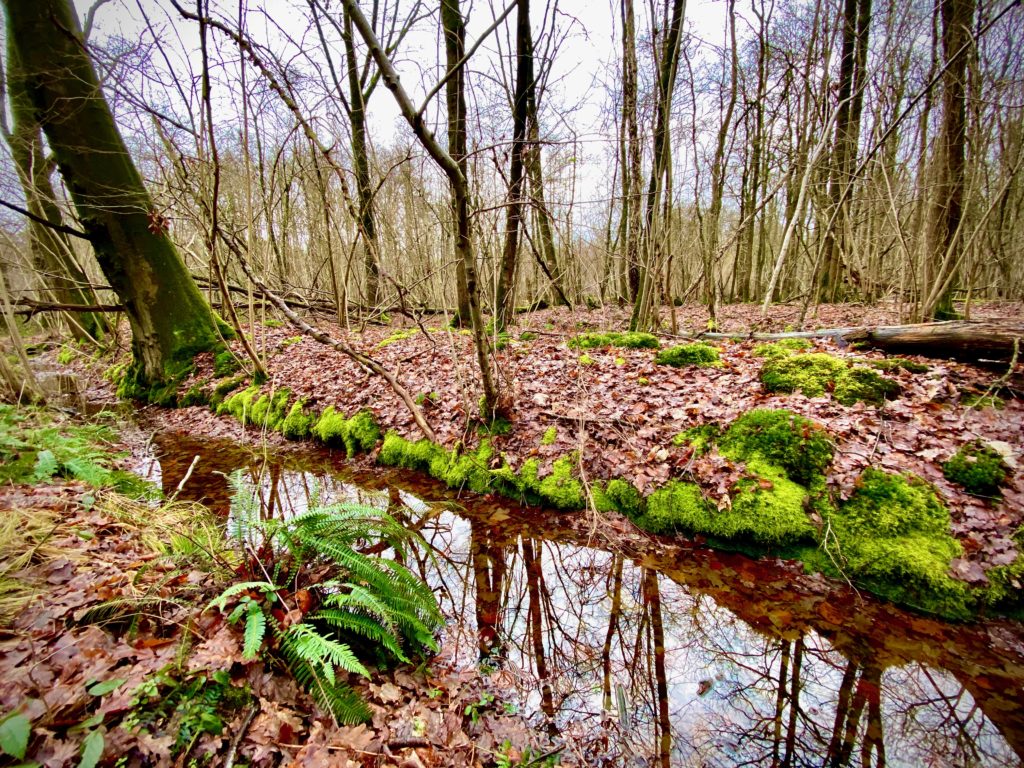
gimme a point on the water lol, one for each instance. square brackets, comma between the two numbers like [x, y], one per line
[642, 653]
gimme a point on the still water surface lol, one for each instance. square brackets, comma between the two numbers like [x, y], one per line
[663, 654]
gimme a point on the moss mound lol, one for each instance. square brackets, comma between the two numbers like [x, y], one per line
[766, 509]
[785, 439]
[700, 437]
[782, 348]
[270, 410]
[979, 468]
[816, 373]
[240, 404]
[298, 424]
[1006, 582]
[630, 340]
[697, 353]
[357, 434]
[619, 496]
[892, 538]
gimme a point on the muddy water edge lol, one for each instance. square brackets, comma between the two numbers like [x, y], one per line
[657, 651]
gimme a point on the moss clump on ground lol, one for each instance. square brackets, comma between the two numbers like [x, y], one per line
[697, 353]
[892, 537]
[240, 404]
[896, 364]
[298, 424]
[700, 438]
[782, 348]
[622, 496]
[816, 373]
[357, 434]
[196, 395]
[550, 436]
[798, 445]
[629, 340]
[471, 469]
[222, 389]
[767, 509]
[270, 410]
[225, 363]
[399, 335]
[1005, 590]
[980, 469]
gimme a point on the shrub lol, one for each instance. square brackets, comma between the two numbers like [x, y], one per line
[980, 469]
[697, 353]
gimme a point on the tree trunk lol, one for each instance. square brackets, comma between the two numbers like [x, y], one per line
[170, 322]
[947, 206]
[631, 170]
[852, 80]
[505, 300]
[51, 248]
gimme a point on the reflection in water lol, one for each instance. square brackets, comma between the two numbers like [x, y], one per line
[689, 658]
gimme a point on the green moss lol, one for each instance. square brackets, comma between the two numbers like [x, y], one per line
[815, 374]
[586, 360]
[550, 436]
[891, 364]
[892, 538]
[1005, 591]
[240, 404]
[980, 469]
[497, 426]
[221, 390]
[700, 437]
[982, 400]
[399, 335]
[782, 348]
[527, 336]
[196, 395]
[67, 353]
[697, 353]
[798, 445]
[678, 507]
[272, 323]
[458, 469]
[629, 340]
[291, 340]
[298, 423]
[625, 498]
[863, 384]
[620, 361]
[225, 363]
[357, 434]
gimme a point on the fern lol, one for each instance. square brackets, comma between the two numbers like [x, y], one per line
[255, 629]
[363, 598]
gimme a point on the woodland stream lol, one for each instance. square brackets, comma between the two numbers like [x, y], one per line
[662, 653]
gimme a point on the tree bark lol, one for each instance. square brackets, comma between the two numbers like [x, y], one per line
[505, 300]
[170, 322]
[51, 248]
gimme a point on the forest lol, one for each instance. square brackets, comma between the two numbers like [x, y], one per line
[389, 383]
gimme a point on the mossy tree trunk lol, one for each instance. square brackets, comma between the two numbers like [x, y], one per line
[51, 248]
[169, 319]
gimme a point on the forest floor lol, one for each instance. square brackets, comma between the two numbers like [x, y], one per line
[77, 682]
[619, 410]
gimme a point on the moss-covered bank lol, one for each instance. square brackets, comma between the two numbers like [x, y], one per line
[890, 538]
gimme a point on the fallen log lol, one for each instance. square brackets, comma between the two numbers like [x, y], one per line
[982, 341]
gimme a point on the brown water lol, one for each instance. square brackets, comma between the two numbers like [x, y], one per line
[640, 652]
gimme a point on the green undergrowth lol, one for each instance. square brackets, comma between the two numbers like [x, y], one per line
[357, 434]
[697, 353]
[628, 340]
[785, 439]
[816, 373]
[399, 335]
[37, 445]
[979, 468]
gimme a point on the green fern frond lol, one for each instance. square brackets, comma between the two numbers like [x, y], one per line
[322, 651]
[255, 629]
[343, 622]
[221, 600]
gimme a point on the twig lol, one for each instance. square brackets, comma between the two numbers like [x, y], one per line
[229, 761]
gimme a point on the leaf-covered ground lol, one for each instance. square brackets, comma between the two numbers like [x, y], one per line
[620, 410]
[110, 617]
